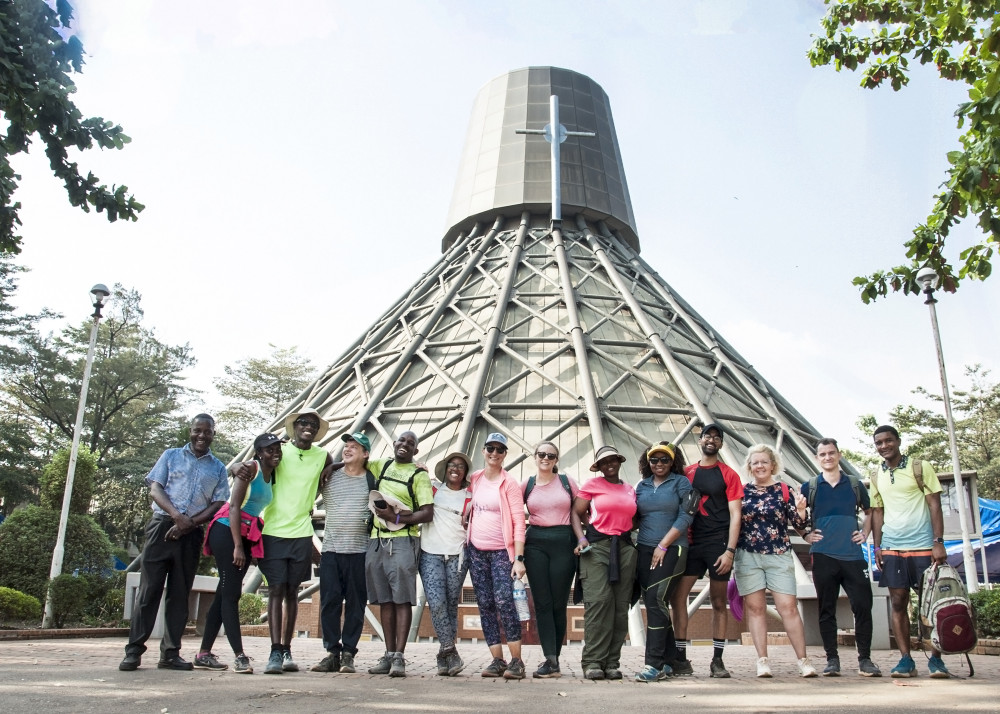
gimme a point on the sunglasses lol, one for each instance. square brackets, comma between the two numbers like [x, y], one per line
[660, 460]
[490, 449]
[547, 457]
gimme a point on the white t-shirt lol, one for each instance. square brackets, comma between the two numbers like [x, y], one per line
[445, 535]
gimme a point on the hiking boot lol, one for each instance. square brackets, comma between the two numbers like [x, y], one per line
[346, 663]
[175, 662]
[832, 668]
[613, 673]
[287, 663]
[515, 670]
[242, 665]
[274, 663]
[442, 664]
[905, 668]
[549, 669]
[867, 668]
[594, 674]
[496, 668]
[937, 668]
[383, 665]
[806, 668]
[455, 664]
[209, 661]
[763, 668]
[650, 673]
[718, 669]
[330, 663]
[681, 667]
[398, 668]
[131, 662]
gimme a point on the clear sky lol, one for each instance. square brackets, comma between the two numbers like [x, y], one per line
[297, 161]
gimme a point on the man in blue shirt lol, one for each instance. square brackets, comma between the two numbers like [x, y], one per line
[188, 485]
[838, 560]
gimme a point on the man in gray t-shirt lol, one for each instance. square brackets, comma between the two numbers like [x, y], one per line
[342, 585]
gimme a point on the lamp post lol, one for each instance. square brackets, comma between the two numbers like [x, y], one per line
[100, 293]
[928, 280]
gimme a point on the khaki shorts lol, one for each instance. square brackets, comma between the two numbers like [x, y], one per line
[391, 570]
[756, 571]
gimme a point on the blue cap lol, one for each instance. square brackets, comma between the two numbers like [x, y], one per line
[496, 438]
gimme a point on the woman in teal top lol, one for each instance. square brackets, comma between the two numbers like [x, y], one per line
[232, 553]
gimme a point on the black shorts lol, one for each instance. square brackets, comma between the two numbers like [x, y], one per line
[286, 560]
[702, 557]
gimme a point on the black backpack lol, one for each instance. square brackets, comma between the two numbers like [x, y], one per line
[563, 479]
[814, 487]
[373, 484]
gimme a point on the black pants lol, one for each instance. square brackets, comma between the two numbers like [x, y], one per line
[829, 575]
[342, 589]
[164, 564]
[657, 587]
[225, 608]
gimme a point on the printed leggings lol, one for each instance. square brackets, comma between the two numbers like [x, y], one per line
[443, 577]
[490, 570]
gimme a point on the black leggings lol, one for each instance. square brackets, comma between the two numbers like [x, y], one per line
[225, 608]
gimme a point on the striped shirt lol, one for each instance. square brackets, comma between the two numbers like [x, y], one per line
[345, 499]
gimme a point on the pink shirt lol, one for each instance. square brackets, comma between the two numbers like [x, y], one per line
[612, 505]
[486, 526]
[549, 505]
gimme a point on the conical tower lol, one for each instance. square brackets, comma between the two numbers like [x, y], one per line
[541, 320]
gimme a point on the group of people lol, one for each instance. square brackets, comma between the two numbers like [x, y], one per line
[387, 521]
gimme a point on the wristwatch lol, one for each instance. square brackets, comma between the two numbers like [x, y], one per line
[519, 558]
[939, 540]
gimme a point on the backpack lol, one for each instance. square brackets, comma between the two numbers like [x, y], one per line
[918, 475]
[562, 479]
[947, 623]
[374, 483]
[855, 486]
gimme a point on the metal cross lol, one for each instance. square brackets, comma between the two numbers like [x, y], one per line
[555, 133]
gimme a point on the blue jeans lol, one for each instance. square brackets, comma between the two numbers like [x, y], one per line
[443, 577]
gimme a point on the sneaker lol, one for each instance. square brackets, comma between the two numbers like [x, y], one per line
[613, 673]
[455, 664]
[398, 668]
[274, 663]
[937, 668]
[719, 670]
[209, 661]
[650, 673]
[515, 670]
[867, 668]
[383, 665]
[806, 668]
[681, 667]
[175, 662]
[496, 668]
[667, 670]
[287, 663]
[131, 662]
[594, 674]
[763, 668]
[905, 668]
[548, 669]
[242, 665]
[832, 668]
[330, 663]
[442, 664]
[347, 663]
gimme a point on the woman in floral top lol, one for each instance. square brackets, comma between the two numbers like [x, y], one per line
[764, 557]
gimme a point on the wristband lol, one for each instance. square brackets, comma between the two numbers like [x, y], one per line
[731, 551]
[661, 547]
[397, 519]
[582, 540]
[878, 547]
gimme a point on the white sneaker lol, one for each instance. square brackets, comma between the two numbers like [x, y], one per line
[763, 668]
[806, 668]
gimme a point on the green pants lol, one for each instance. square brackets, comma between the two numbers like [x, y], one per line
[606, 606]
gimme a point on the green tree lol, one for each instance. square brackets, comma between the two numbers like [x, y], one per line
[35, 89]
[960, 38]
[258, 388]
[53, 483]
[20, 466]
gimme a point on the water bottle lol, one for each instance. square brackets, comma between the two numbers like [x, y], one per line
[521, 601]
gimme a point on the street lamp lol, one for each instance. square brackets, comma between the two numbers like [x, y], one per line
[928, 279]
[100, 292]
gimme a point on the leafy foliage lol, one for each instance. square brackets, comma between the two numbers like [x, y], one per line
[68, 595]
[35, 90]
[986, 605]
[16, 606]
[53, 483]
[961, 39]
[251, 607]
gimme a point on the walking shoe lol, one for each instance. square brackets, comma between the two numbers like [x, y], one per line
[832, 668]
[594, 674]
[383, 665]
[175, 662]
[330, 663]
[681, 667]
[209, 661]
[806, 668]
[131, 662]
[495, 669]
[287, 663]
[667, 670]
[867, 668]
[763, 668]
[274, 663]
[442, 664]
[905, 668]
[650, 673]
[613, 673]
[242, 665]
[455, 664]
[548, 669]
[937, 668]
[719, 670]
[398, 668]
[515, 670]
[347, 663]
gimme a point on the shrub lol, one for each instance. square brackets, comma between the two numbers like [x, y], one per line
[53, 481]
[106, 599]
[16, 606]
[27, 539]
[68, 596]
[251, 606]
[986, 604]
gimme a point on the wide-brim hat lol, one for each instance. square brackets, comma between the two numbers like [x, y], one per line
[442, 465]
[394, 503]
[324, 425]
[603, 453]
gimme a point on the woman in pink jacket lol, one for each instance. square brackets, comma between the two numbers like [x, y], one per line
[496, 556]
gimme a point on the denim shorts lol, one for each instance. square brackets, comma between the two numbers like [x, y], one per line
[756, 571]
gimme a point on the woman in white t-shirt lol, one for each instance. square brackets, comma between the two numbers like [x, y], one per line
[442, 556]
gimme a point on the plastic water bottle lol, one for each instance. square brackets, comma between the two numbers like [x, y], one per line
[521, 601]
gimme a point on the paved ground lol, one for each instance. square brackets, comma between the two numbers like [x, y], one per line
[81, 675]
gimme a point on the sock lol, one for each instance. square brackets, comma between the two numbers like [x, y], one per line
[682, 648]
[717, 647]
[277, 647]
